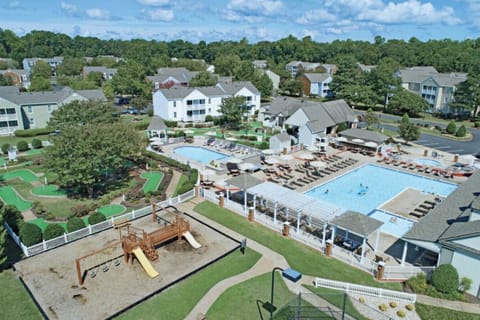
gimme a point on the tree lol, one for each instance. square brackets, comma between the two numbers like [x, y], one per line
[403, 101]
[130, 79]
[232, 110]
[225, 65]
[407, 130]
[263, 83]
[52, 231]
[293, 87]
[461, 132]
[40, 84]
[42, 70]
[467, 94]
[451, 127]
[3, 237]
[445, 278]
[74, 224]
[5, 80]
[70, 66]
[95, 77]
[371, 118]
[244, 71]
[203, 79]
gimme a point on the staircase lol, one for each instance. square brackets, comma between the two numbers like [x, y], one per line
[149, 251]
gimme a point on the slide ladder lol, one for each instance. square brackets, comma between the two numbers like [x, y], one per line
[145, 263]
[150, 251]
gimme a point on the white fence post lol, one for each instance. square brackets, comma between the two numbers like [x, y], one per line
[44, 245]
[89, 229]
[65, 237]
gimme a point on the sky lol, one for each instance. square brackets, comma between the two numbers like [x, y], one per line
[255, 20]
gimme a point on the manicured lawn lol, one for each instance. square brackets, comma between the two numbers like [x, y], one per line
[11, 197]
[2, 161]
[153, 180]
[429, 312]
[24, 174]
[336, 298]
[43, 224]
[33, 152]
[181, 181]
[246, 299]
[50, 190]
[111, 210]
[178, 301]
[300, 257]
[15, 303]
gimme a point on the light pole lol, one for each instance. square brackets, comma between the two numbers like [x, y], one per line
[290, 274]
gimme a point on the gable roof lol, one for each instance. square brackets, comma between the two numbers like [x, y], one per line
[421, 74]
[339, 111]
[316, 77]
[101, 69]
[454, 210]
[12, 94]
[235, 86]
[179, 74]
[156, 123]
[92, 94]
[282, 137]
[357, 223]
[286, 106]
[366, 135]
[180, 92]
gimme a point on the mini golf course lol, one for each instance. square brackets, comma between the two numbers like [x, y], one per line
[153, 180]
[11, 197]
[50, 190]
[24, 174]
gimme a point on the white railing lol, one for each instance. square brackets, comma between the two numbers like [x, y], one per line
[364, 290]
[91, 229]
[403, 273]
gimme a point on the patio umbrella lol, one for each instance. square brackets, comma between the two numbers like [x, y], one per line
[318, 164]
[371, 144]
[356, 140]
[234, 160]
[305, 156]
[207, 173]
[286, 157]
[268, 151]
[271, 160]
[231, 139]
[247, 166]
[210, 133]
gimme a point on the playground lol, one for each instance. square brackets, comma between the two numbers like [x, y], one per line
[160, 249]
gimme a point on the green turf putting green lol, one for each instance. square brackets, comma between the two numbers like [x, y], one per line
[24, 174]
[33, 152]
[111, 210]
[11, 197]
[153, 180]
[50, 190]
[2, 161]
[42, 224]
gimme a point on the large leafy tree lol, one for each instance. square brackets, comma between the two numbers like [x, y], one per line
[407, 130]
[78, 113]
[263, 83]
[467, 95]
[382, 79]
[130, 79]
[232, 110]
[70, 67]
[403, 101]
[292, 87]
[371, 118]
[42, 69]
[203, 79]
[225, 65]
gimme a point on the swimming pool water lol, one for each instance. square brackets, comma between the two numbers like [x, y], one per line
[392, 224]
[366, 188]
[199, 154]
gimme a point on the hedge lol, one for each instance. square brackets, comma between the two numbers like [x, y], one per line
[30, 234]
[96, 217]
[170, 124]
[32, 132]
[445, 278]
[52, 231]
[5, 148]
[451, 128]
[168, 161]
[36, 144]
[13, 217]
[22, 145]
[74, 224]
[461, 132]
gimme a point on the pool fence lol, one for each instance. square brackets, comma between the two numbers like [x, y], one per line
[95, 228]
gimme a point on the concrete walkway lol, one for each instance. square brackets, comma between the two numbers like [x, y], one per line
[453, 305]
[173, 183]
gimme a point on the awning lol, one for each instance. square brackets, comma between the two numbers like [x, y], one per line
[357, 223]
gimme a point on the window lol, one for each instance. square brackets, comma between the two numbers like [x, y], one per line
[174, 115]
[174, 104]
[2, 111]
[13, 123]
[31, 121]
[3, 124]
[30, 109]
[11, 111]
[209, 100]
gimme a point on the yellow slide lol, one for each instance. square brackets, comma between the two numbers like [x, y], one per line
[147, 266]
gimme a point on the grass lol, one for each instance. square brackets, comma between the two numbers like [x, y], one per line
[11, 197]
[24, 174]
[33, 152]
[178, 301]
[42, 224]
[427, 312]
[12, 140]
[153, 180]
[181, 181]
[50, 190]
[245, 300]
[336, 297]
[300, 257]
[15, 302]
[111, 210]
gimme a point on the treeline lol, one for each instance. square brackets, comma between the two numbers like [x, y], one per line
[445, 55]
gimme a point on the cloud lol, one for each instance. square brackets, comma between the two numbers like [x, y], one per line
[99, 14]
[153, 3]
[316, 16]
[69, 9]
[251, 10]
[158, 15]
[13, 5]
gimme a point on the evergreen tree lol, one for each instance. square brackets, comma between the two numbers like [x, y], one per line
[407, 130]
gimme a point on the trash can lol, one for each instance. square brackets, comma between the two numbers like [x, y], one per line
[380, 270]
[251, 214]
[221, 200]
[425, 153]
[286, 229]
[328, 248]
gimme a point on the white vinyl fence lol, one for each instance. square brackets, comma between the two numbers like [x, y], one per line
[91, 229]
[364, 290]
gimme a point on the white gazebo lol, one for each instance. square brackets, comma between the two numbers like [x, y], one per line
[157, 129]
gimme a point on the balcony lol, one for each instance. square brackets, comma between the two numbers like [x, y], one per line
[195, 107]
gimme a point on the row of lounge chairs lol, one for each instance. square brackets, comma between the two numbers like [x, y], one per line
[423, 209]
[416, 167]
[229, 146]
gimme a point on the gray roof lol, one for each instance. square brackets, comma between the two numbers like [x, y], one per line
[55, 97]
[316, 77]
[234, 87]
[452, 210]
[305, 65]
[282, 137]
[357, 223]
[156, 123]
[421, 74]
[339, 111]
[366, 135]
[365, 67]
[286, 106]
[476, 203]
[180, 74]
[244, 181]
[180, 92]
[317, 126]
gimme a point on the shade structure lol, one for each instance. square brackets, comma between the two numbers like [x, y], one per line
[271, 160]
[305, 156]
[286, 157]
[371, 144]
[231, 139]
[356, 140]
[268, 151]
[210, 133]
[247, 166]
[208, 173]
[235, 160]
[318, 164]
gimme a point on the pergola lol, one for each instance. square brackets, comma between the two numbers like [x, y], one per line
[358, 224]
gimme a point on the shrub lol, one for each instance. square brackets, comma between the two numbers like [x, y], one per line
[32, 132]
[461, 132]
[150, 112]
[80, 210]
[5, 148]
[96, 217]
[52, 231]
[476, 124]
[36, 144]
[418, 283]
[13, 217]
[451, 128]
[383, 307]
[208, 118]
[30, 234]
[75, 223]
[342, 127]
[361, 300]
[22, 145]
[465, 284]
[401, 313]
[409, 307]
[393, 304]
[445, 278]
[170, 124]
[186, 186]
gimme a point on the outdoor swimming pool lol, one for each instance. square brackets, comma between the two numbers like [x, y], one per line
[199, 154]
[367, 188]
[429, 162]
[392, 224]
